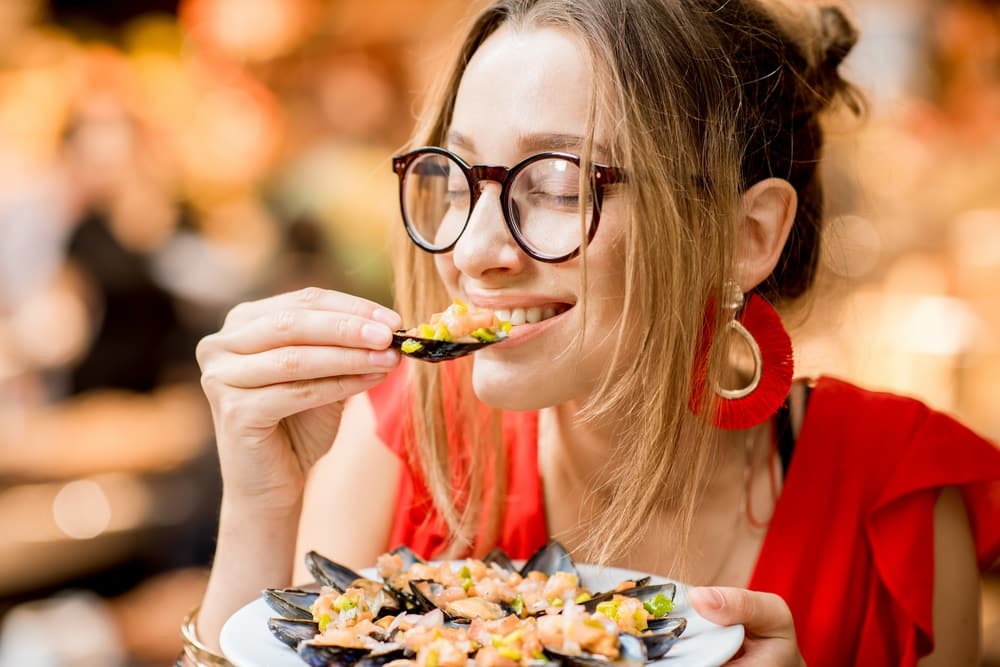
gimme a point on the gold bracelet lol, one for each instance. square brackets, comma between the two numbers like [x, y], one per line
[195, 653]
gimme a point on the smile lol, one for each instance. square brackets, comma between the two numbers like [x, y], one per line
[530, 315]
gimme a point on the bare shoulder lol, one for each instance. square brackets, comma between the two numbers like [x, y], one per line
[350, 495]
[956, 586]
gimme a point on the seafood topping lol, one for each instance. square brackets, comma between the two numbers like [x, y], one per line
[455, 332]
[473, 613]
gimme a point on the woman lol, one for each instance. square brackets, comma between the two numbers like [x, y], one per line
[615, 423]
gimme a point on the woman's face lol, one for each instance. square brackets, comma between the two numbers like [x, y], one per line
[522, 93]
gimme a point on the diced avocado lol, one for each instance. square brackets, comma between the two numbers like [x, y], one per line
[484, 335]
[659, 605]
[441, 332]
[410, 346]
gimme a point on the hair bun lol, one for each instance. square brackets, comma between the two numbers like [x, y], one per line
[837, 36]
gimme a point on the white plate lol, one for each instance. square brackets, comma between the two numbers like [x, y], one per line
[246, 641]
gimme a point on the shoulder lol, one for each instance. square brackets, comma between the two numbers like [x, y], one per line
[859, 415]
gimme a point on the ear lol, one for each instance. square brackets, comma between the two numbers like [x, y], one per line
[768, 213]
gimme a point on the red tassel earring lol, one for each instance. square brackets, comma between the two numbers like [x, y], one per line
[771, 347]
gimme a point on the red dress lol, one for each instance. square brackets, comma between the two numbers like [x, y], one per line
[850, 543]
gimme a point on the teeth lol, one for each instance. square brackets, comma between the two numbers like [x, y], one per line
[525, 315]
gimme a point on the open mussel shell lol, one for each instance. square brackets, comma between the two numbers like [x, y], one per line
[659, 640]
[290, 602]
[329, 573]
[292, 631]
[409, 558]
[462, 610]
[500, 558]
[632, 653]
[550, 559]
[408, 601]
[317, 653]
[381, 598]
[438, 350]
[643, 593]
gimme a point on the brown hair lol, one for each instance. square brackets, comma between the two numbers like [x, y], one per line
[708, 97]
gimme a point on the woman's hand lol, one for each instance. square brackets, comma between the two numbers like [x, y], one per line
[770, 632]
[276, 376]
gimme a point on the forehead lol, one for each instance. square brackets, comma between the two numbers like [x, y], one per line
[524, 90]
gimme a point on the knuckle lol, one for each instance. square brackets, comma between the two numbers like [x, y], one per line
[745, 604]
[203, 349]
[284, 321]
[304, 390]
[345, 328]
[310, 295]
[289, 360]
[235, 314]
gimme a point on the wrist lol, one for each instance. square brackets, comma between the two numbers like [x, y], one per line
[276, 506]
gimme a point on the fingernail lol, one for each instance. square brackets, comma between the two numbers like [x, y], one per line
[387, 317]
[376, 333]
[711, 597]
[372, 377]
[385, 358]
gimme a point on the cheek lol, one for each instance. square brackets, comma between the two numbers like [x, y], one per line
[447, 271]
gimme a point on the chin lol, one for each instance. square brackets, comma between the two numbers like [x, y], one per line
[509, 387]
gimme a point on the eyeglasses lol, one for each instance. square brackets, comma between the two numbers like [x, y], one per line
[539, 197]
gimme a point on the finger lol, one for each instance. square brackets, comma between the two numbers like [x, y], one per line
[292, 364]
[266, 406]
[281, 328]
[313, 298]
[762, 614]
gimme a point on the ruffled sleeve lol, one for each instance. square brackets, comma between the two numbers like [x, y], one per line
[851, 542]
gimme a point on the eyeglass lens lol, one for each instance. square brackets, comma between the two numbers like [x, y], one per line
[544, 203]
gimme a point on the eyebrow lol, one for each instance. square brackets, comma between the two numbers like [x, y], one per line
[530, 143]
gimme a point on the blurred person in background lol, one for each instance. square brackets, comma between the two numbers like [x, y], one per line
[711, 197]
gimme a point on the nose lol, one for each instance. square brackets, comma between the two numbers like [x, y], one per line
[486, 245]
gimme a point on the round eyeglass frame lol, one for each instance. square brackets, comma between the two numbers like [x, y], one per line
[477, 174]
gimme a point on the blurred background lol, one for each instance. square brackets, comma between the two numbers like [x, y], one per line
[162, 160]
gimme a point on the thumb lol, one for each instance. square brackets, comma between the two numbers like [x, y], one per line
[762, 614]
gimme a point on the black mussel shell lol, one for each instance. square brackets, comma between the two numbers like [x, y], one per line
[290, 602]
[500, 558]
[317, 654]
[329, 573]
[438, 350]
[550, 559]
[407, 599]
[292, 631]
[642, 592]
[659, 641]
[632, 654]
[461, 610]
[409, 558]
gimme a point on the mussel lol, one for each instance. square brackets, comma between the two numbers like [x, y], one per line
[291, 602]
[292, 631]
[632, 653]
[457, 331]
[499, 558]
[382, 599]
[658, 641]
[461, 610]
[550, 559]
[427, 349]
